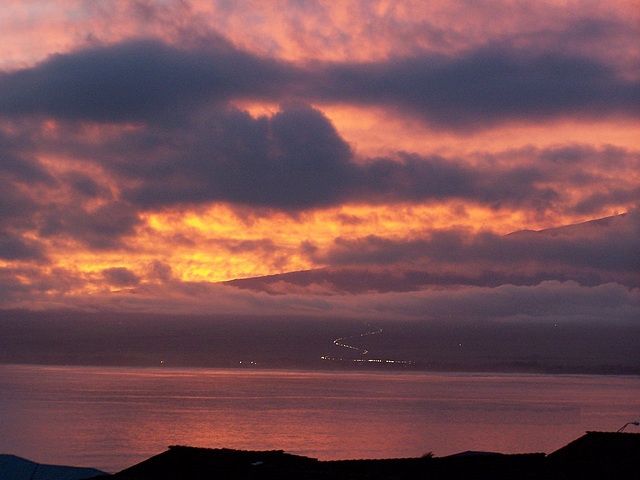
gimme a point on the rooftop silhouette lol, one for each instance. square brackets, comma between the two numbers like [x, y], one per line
[595, 455]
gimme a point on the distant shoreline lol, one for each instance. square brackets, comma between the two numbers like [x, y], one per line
[348, 367]
[301, 343]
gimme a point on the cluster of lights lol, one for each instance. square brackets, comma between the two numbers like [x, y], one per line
[340, 342]
[366, 360]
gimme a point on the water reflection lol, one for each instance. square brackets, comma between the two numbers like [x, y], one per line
[110, 418]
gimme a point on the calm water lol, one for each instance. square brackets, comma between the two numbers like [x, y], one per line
[111, 418]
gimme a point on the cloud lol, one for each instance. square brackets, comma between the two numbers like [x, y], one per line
[16, 205]
[103, 227]
[16, 247]
[590, 254]
[292, 160]
[21, 169]
[137, 81]
[144, 80]
[356, 280]
[83, 184]
[417, 178]
[295, 160]
[120, 277]
[189, 146]
[549, 301]
[160, 271]
[486, 87]
[614, 196]
[608, 247]
[146, 116]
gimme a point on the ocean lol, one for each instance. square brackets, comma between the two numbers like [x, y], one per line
[113, 417]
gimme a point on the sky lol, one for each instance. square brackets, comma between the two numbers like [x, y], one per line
[349, 159]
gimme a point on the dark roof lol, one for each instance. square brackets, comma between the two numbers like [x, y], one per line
[17, 468]
[612, 444]
[180, 462]
[471, 453]
[200, 463]
[596, 455]
[599, 455]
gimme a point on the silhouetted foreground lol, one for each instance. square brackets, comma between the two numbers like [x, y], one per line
[16, 468]
[596, 455]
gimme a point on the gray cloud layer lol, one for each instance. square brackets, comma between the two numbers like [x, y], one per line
[137, 81]
[190, 147]
[486, 87]
[141, 80]
[590, 254]
[297, 160]
[293, 160]
[612, 248]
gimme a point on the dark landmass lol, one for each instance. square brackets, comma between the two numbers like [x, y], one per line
[116, 339]
[596, 455]
[17, 468]
[539, 255]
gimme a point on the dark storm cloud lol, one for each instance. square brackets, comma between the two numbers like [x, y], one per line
[160, 271]
[592, 253]
[292, 160]
[16, 206]
[190, 147]
[120, 277]
[415, 177]
[16, 247]
[137, 80]
[20, 171]
[193, 149]
[486, 87]
[614, 248]
[141, 80]
[34, 200]
[614, 196]
[83, 184]
[102, 228]
[297, 160]
[358, 280]
[11, 287]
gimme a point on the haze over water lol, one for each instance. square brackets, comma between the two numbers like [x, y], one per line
[111, 418]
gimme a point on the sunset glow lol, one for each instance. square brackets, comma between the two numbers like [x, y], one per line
[274, 234]
[157, 148]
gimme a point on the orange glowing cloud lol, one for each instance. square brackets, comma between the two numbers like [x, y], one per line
[158, 147]
[317, 30]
